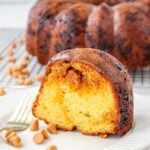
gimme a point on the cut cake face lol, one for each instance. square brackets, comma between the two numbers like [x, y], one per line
[76, 94]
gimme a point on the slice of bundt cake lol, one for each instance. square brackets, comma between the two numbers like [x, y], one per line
[88, 90]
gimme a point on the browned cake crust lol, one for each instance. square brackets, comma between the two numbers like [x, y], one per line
[112, 70]
[123, 29]
[32, 25]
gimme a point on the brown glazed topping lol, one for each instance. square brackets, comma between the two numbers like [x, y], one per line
[122, 45]
[146, 46]
[131, 16]
[58, 47]
[30, 31]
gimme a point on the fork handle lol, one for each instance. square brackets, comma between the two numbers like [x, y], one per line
[14, 127]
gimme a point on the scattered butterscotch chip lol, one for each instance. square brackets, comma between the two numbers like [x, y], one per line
[14, 45]
[10, 68]
[38, 138]
[28, 81]
[16, 68]
[12, 138]
[2, 91]
[11, 59]
[34, 125]
[52, 128]
[45, 134]
[16, 74]
[25, 71]
[8, 71]
[23, 77]
[1, 58]
[40, 77]
[26, 57]
[103, 135]
[52, 147]
[20, 81]
[24, 63]
[10, 52]
[8, 132]
[15, 141]
[11, 135]
[20, 66]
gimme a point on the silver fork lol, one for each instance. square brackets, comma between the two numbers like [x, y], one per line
[22, 116]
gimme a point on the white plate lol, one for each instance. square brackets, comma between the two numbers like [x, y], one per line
[136, 139]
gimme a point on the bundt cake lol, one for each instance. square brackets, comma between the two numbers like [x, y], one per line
[88, 90]
[118, 27]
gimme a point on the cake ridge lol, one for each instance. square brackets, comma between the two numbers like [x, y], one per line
[121, 29]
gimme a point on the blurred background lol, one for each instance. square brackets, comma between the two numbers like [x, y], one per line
[13, 13]
[13, 22]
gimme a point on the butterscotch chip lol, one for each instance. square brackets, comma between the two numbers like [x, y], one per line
[22, 76]
[103, 135]
[24, 63]
[16, 74]
[14, 45]
[38, 138]
[52, 147]
[2, 91]
[11, 135]
[20, 81]
[12, 138]
[10, 52]
[25, 71]
[8, 132]
[20, 67]
[15, 141]
[8, 71]
[52, 128]
[26, 57]
[40, 77]
[1, 58]
[11, 59]
[11, 65]
[16, 68]
[28, 81]
[10, 68]
[34, 125]
[45, 134]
